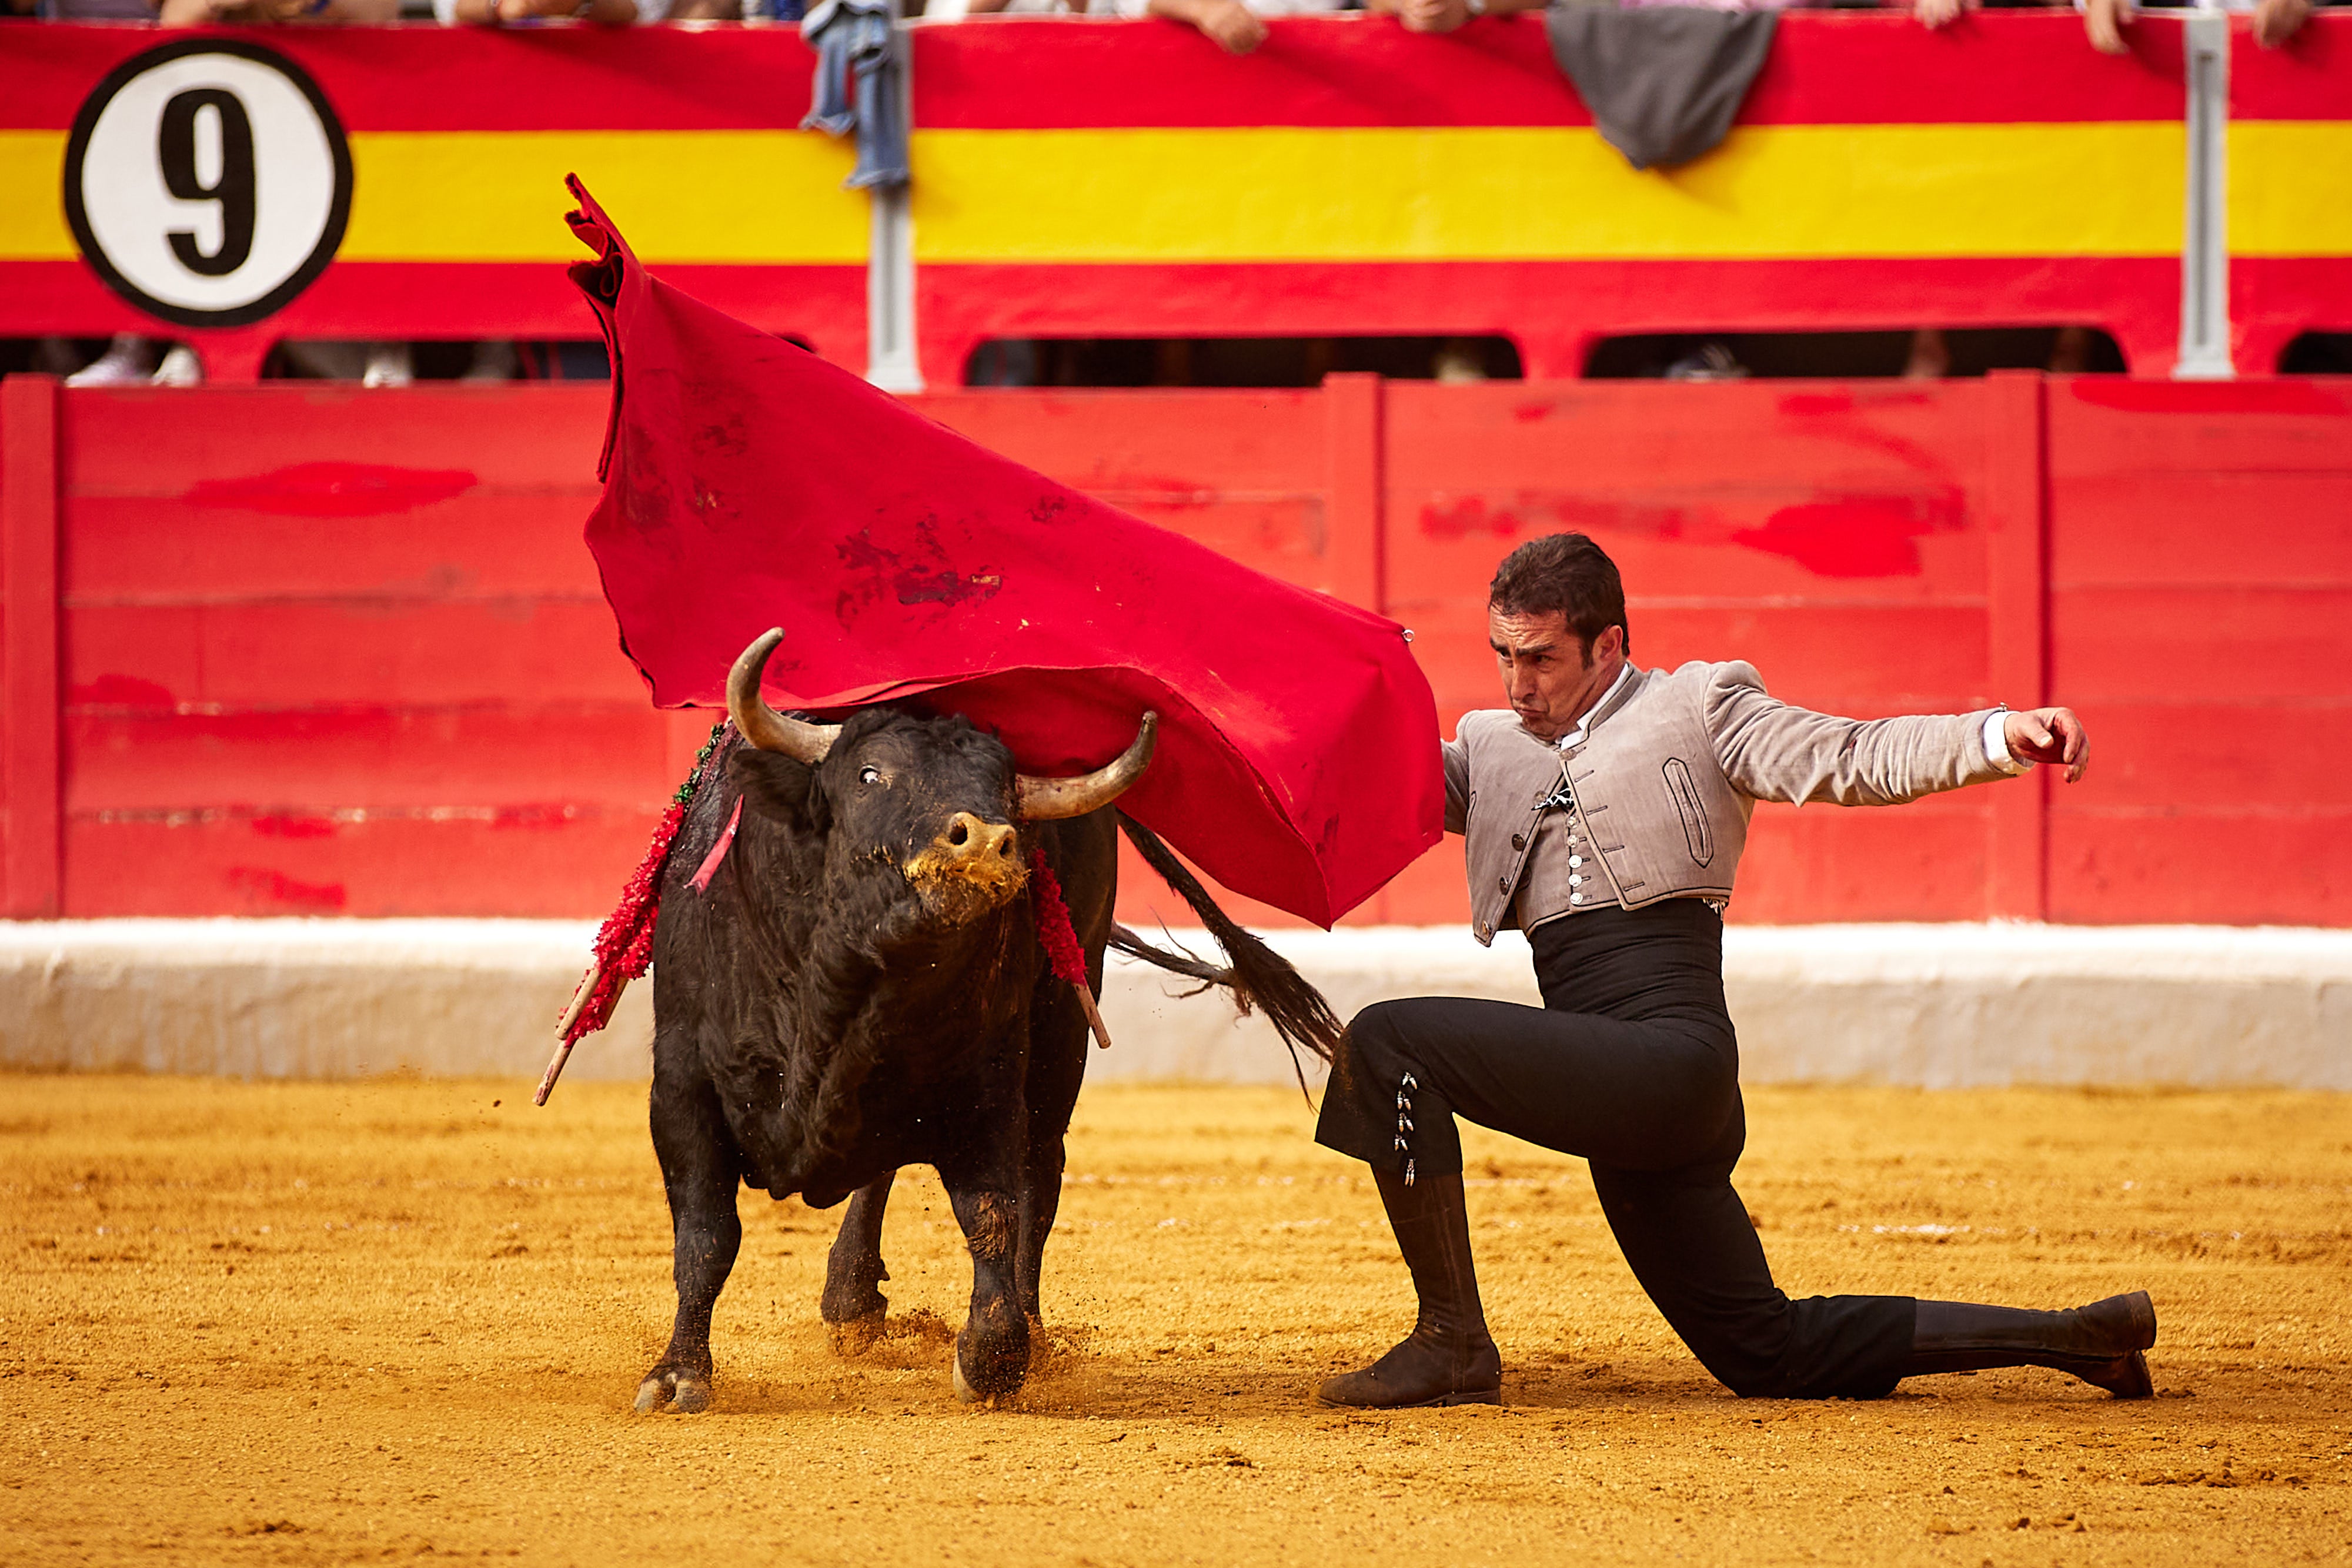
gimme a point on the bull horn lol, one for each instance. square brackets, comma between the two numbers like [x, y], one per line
[763, 726]
[1043, 799]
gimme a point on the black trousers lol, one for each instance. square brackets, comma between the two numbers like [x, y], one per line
[1631, 1063]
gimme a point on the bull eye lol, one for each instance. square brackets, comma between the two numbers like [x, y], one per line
[869, 775]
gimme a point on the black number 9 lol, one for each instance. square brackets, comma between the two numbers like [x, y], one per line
[177, 149]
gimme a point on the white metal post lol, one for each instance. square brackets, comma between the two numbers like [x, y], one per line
[891, 362]
[2205, 238]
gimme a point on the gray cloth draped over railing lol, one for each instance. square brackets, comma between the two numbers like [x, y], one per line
[1663, 82]
[860, 87]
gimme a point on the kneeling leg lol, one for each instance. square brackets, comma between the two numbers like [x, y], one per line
[1696, 1252]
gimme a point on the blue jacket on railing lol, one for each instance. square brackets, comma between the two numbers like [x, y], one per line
[859, 87]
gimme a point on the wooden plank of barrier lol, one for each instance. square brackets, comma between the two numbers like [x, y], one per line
[2200, 589]
[554, 860]
[1354, 457]
[29, 655]
[2017, 617]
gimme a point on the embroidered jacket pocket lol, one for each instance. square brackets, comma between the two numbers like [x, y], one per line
[1697, 831]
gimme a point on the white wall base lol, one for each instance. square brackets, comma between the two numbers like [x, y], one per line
[1934, 1006]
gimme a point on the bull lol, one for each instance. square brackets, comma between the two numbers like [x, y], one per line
[861, 987]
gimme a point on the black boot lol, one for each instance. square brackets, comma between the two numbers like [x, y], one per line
[2100, 1343]
[1448, 1358]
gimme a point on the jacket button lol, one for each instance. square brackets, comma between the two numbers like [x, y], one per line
[1576, 860]
[1576, 898]
[1518, 841]
[1504, 883]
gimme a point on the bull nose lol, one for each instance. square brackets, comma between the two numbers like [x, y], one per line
[968, 840]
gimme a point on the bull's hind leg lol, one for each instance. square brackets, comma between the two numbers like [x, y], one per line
[699, 1170]
[1086, 857]
[1041, 1200]
[852, 1309]
[991, 1354]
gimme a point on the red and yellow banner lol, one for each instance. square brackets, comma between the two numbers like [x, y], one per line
[1104, 179]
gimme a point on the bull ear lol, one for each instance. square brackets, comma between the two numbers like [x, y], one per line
[777, 786]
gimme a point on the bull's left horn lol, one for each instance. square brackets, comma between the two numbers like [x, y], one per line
[763, 726]
[1043, 799]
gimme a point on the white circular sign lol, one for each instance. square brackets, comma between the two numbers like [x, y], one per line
[208, 181]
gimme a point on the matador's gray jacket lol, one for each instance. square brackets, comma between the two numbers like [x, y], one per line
[1654, 801]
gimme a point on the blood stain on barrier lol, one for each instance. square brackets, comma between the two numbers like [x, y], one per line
[334, 490]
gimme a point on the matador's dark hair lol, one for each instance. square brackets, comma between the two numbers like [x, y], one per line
[1567, 572]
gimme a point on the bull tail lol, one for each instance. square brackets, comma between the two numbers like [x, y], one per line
[1260, 979]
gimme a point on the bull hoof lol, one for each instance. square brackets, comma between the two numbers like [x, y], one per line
[678, 1393]
[856, 1336]
[982, 1378]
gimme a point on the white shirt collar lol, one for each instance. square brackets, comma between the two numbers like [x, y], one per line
[1576, 736]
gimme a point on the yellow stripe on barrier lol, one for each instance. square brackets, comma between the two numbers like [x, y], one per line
[775, 197]
[32, 206]
[2290, 187]
[745, 196]
[1505, 192]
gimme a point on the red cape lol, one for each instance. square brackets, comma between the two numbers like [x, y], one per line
[748, 484]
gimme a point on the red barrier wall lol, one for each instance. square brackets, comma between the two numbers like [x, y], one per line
[2200, 585]
[300, 650]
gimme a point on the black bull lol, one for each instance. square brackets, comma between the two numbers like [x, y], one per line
[861, 987]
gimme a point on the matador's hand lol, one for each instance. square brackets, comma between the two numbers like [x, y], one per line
[2049, 735]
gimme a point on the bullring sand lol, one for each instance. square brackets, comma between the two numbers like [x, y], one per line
[403, 1321]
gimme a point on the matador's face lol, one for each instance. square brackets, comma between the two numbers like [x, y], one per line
[1551, 677]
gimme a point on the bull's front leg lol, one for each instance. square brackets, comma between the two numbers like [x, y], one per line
[852, 1307]
[991, 1354]
[700, 1172]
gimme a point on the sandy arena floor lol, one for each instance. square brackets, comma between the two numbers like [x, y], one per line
[318, 1323]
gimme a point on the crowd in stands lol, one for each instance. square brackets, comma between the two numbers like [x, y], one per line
[1236, 25]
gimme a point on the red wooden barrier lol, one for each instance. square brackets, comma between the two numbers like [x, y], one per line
[29, 778]
[335, 651]
[2200, 584]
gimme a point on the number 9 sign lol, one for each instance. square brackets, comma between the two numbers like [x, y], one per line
[208, 181]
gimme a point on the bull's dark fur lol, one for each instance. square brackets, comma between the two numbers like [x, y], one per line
[818, 1024]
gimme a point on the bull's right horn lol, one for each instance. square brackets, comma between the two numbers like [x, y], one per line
[763, 726]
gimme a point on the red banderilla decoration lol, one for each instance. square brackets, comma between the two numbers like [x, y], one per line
[1056, 934]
